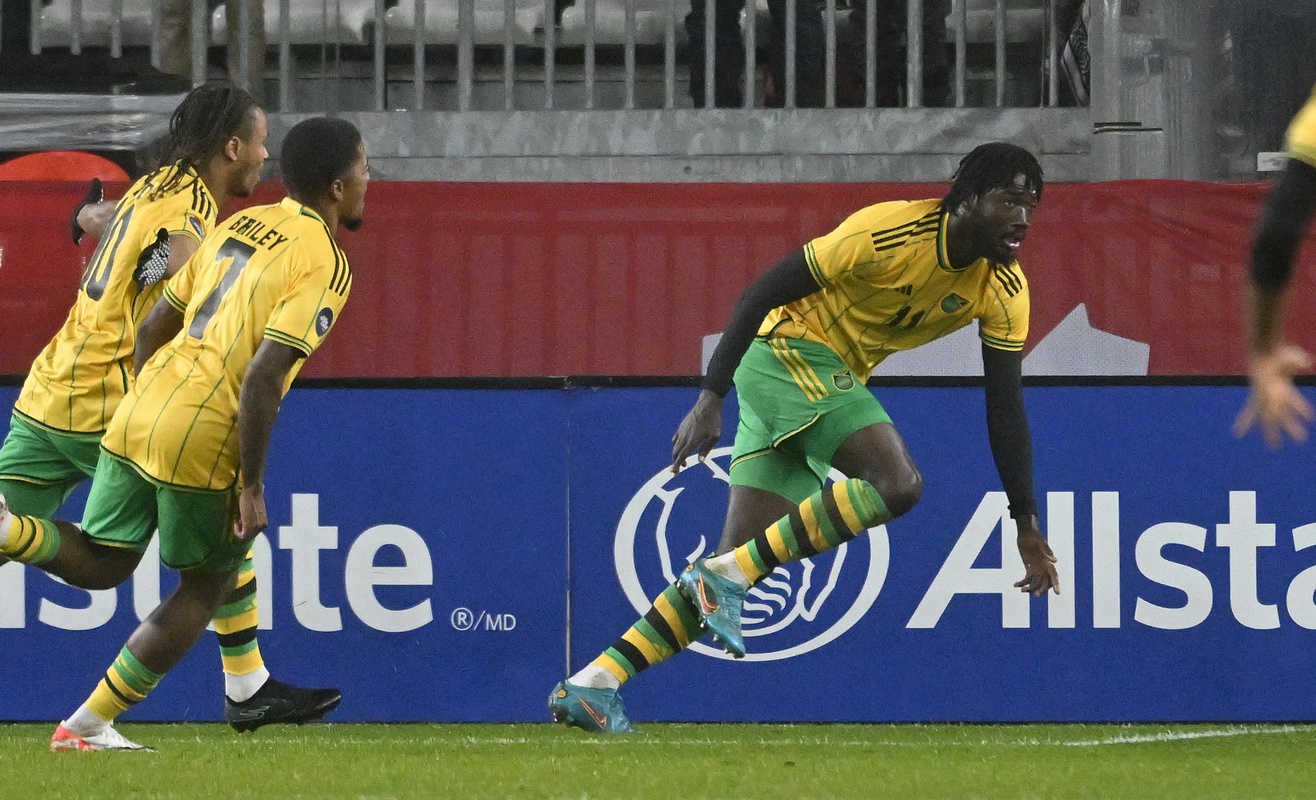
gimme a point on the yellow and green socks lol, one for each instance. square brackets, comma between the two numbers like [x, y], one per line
[29, 540]
[834, 515]
[126, 683]
[665, 630]
[236, 622]
[825, 520]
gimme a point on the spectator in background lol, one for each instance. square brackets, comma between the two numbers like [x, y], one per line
[729, 54]
[176, 42]
[889, 70]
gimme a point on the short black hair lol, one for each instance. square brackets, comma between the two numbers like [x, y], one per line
[990, 166]
[317, 152]
[202, 125]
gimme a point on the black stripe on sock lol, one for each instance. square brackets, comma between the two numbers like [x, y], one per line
[766, 554]
[655, 618]
[241, 593]
[802, 540]
[632, 654]
[238, 638]
[837, 519]
[126, 701]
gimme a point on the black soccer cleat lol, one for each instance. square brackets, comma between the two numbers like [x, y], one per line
[278, 702]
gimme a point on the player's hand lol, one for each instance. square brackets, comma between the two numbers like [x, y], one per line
[251, 513]
[1040, 574]
[699, 431]
[1274, 403]
[95, 195]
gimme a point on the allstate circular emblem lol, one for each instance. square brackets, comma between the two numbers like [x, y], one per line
[801, 606]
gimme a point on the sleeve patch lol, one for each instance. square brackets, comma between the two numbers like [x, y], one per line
[323, 321]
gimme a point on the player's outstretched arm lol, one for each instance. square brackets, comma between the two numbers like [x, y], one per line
[1274, 403]
[1012, 449]
[789, 280]
[258, 408]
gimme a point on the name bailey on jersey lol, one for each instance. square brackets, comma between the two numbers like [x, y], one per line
[256, 231]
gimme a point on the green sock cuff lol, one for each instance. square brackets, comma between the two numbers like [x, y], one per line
[868, 504]
[49, 546]
[135, 673]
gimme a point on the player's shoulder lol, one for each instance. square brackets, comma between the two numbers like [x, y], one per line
[894, 214]
[1009, 278]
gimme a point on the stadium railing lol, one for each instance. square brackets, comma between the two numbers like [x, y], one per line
[555, 54]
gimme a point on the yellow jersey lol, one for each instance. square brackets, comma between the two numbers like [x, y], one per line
[1301, 137]
[887, 285]
[269, 272]
[78, 380]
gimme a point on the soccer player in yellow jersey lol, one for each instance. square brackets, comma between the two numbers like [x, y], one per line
[802, 342]
[217, 141]
[186, 449]
[1274, 402]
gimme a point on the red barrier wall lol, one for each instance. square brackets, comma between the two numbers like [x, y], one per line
[626, 279]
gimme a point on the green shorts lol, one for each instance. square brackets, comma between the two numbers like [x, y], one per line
[196, 526]
[41, 466]
[798, 402]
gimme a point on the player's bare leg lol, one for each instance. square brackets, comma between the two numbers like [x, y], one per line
[159, 643]
[62, 549]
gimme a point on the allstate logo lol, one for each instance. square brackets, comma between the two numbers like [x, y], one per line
[798, 608]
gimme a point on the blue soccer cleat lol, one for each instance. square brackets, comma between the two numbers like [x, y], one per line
[593, 710]
[718, 601]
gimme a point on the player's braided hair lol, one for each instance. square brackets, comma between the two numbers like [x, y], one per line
[992, 166]
[202, 125]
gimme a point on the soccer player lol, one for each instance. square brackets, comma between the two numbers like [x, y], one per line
[1274, 403]
[217, 136]
[801, 344]
[186, 449]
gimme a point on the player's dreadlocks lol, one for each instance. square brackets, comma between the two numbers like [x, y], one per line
[202, 125]
[992, 166]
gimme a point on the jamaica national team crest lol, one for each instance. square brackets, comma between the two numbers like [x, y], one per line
[800, 607]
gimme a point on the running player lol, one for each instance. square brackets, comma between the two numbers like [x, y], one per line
[801, 343]
[214, 357]
[1274, 402]
[217, 135]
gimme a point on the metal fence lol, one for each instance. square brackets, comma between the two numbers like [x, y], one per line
[587, 54]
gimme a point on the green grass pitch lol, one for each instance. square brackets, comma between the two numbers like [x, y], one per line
[792, 762]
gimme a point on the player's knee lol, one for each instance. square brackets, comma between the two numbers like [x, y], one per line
[900, 490]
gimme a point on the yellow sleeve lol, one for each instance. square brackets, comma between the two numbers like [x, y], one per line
[194, 225]
[834, 255]
[315, 299]
[178, 289]
[1301, 137]
[1003, 323]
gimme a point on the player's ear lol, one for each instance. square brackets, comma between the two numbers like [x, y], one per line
[336, 190]
[232, 148]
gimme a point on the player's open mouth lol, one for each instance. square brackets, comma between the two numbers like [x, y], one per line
[1013, 240]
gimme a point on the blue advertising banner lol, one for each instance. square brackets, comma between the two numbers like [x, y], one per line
[411, 559]
[1186, 559]
[448, 555]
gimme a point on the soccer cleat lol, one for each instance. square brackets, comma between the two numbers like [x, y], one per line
[593, 710]
[718, 601]
[277, 702]
[108, 739]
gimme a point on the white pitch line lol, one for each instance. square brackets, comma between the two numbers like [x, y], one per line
[1170, 736]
